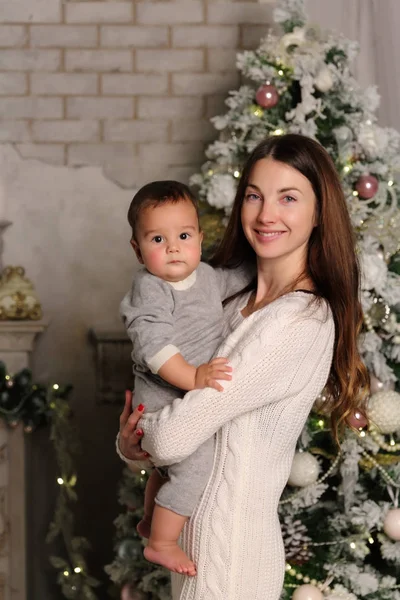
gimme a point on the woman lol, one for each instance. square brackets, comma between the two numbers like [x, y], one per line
[290, 333]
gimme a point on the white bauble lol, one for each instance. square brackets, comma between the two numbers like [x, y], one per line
[384, 411]
[323, 80]
[304, 471]
[307, 592]
[391, 524]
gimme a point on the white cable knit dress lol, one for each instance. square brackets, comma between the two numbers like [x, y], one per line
[281, 357]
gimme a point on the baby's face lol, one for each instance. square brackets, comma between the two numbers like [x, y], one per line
[168, 240]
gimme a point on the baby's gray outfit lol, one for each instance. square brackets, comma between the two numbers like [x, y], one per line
[163, 318]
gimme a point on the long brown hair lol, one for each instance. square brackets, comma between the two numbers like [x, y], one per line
[332, 263]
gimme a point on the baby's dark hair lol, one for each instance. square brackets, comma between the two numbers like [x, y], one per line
[155, 194]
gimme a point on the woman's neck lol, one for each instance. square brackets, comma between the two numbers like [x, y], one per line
[275, 279]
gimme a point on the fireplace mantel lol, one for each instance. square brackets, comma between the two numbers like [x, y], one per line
[16, 345]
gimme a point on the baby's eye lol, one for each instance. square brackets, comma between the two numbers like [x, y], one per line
[157, 239]
[184, 236]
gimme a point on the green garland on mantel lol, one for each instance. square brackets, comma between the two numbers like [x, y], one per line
[37, 405]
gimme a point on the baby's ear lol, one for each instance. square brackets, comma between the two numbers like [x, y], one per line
[136, 249]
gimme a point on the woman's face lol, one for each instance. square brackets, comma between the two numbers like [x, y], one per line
[278, 212]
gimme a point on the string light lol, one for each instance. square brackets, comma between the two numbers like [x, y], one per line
[321, 422]
[278, 132]
[236, 174]
[371, 540]
[66, 573]
[56, 386]
[347, 168]
[390, 182]
[8, 377]
[355, 193]
[143, 472]
[352, 545]
[280, 72]
[77, 570]
[60, 481]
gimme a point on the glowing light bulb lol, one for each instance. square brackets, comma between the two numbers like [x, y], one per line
[352, 545]
[60, 481]
[390, 182]
[143, 472]
[277, 132]
[56, 386]
[77, 570]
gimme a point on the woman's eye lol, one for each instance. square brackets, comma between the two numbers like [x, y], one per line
[157, 239]
[289, 199]
[252, 197]
[184, 236]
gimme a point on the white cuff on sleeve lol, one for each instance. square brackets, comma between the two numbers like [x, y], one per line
[157, 361]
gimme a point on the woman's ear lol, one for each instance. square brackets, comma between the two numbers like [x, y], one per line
[136, 249]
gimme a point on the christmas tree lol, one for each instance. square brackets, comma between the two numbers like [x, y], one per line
[339, 513]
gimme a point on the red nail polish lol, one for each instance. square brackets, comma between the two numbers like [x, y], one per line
[140, 407]
[139, 432]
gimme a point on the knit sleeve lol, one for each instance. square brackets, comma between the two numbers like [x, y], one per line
[146, 311]
[274, 354]
[232, 281]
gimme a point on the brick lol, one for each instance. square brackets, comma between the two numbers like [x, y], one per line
[170, 108]
[135, 131]
[182, 173]
[100, 108]
[63, 83]
[133, 37]
[200, 130]
[239, 12]
[34, 11]
[222, 60]
[98, 12]
[66, 131]
[158, 13]
[98, 154]
[169, 60]
[215, 105]
[29, 60]
[172, 154]
[252, 34]
[13, 83]
[51, 153]
[14, 131]
[12, 36]
[209, 36]
[31, 108]
[120, 85]
[98, 60]
[64, 36]
[203, 83]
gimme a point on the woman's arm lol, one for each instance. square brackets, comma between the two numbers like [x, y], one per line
[274, 356]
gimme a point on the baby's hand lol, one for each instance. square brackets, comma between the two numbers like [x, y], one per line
[208, 374]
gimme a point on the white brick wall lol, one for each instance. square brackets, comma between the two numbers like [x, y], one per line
[128, 84]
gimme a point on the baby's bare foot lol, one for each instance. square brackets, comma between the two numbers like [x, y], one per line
[171, 557]
[143, 528]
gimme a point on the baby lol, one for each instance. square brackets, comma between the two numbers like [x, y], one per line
[174, 317]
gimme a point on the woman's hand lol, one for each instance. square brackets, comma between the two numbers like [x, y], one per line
[129, 434]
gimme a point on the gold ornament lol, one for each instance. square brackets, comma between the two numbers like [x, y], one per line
[18, 300]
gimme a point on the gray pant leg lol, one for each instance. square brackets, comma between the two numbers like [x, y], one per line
[187, 481]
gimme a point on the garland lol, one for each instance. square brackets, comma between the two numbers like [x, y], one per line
[38, 405]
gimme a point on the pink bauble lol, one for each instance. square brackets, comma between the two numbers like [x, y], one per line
[379, 386]
[391, 524]
[367, 186]
[357, 420]
[267, 96]
[307, 592]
